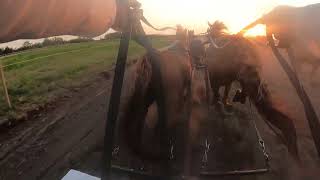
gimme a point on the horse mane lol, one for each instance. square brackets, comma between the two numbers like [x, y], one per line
[241, 47]
[218, 29]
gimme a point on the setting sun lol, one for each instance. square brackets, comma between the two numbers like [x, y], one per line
[259, 30]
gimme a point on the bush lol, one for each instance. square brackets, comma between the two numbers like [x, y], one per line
[8, 50]
[47, 42]
[111, 36]
[53, 41]
[80, 40]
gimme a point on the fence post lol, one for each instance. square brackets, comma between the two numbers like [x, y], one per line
[5, 89]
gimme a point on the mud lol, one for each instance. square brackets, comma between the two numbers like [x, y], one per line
[70, 135]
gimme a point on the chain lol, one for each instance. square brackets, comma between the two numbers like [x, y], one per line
[115, 151]
[171, 150]
[260, 94]
[206, 151]
[261, 141]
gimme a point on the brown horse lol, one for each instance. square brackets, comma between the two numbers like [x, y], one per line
[219, 76]
[295, 27]
[238, 61]
[170, 104]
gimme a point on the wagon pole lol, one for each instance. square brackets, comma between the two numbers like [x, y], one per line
[114, 102]
[5, 89]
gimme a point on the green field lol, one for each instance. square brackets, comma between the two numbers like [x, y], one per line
[36, 77]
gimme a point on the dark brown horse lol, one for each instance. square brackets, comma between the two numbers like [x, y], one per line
[170, 104]
[237, 60]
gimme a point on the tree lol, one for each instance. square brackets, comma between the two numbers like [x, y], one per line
[53, 41]
[57, 40]
[27, 44]
[8, 50]
[114, 35]
[46, 42]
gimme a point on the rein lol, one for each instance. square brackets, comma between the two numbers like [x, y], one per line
[212, 42]
[145, 21]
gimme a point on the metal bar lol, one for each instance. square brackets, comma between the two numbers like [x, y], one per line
[134, 172]
[5, 88]
[115, 102]
[236, 172]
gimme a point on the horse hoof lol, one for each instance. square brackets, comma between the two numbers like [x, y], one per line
[223, 109]
[239, 97]
[228, 107]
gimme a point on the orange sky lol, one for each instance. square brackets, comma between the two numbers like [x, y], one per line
[194, 14]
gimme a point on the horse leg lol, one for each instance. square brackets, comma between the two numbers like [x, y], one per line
[215, 90]
[226, 94]
[260, 95]
[136, 109]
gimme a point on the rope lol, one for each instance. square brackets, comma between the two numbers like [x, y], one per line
[212, 41]
[144, 20]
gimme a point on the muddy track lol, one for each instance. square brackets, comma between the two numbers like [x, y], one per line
[38, 146]
[71, 136]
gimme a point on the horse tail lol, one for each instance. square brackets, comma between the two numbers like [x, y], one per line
[260, 96]
[136, 108]
[158, 90]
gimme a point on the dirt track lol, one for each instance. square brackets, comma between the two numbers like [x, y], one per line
[41, 148]
[70, 135]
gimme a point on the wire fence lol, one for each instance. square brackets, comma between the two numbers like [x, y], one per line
[39, 59]
[13, 81]
[51, 55]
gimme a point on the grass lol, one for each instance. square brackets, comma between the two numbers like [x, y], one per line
[35, 77]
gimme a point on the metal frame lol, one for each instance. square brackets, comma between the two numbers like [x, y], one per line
[138, 173]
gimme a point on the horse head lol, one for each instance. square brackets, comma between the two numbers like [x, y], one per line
[182, 36]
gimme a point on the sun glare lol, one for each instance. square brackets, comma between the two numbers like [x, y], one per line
[195, 14]
[259, 30]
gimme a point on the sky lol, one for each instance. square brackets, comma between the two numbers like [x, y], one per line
[195, 14]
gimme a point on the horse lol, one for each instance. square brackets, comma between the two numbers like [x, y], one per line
[218, 75]
[289, 27]
[168, 103]
[237, 60]
[307, 53]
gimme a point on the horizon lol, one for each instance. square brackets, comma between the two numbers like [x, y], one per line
[195, 16]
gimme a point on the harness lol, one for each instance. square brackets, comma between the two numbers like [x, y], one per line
[135, 31]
